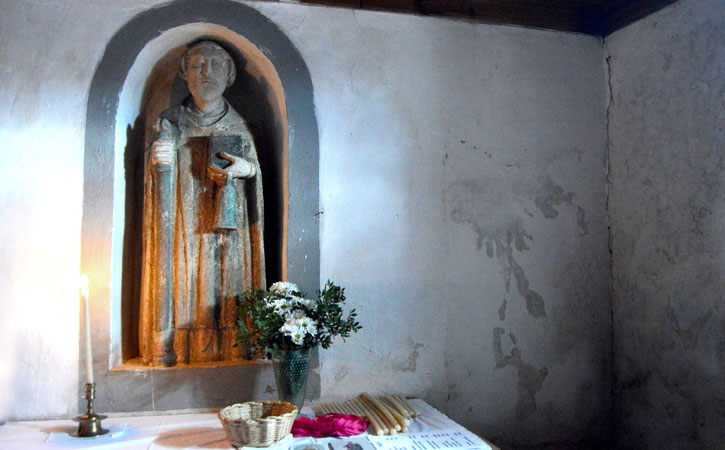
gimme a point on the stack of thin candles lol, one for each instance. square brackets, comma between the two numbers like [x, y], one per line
[387, 414]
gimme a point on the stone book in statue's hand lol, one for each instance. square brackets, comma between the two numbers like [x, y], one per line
[226, 159]
[226, 163]
[232, 145]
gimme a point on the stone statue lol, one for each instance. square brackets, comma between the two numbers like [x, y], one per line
[203, 220]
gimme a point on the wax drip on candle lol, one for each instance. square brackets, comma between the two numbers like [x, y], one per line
[86, 308]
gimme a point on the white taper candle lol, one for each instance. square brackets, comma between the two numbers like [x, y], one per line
[86, 307]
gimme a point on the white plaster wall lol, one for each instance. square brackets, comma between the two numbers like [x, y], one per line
[667, 143]
[435, 134]
[41, 129]
[438, 140]
[49, 52]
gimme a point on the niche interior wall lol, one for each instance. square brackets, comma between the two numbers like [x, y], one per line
[134, 80]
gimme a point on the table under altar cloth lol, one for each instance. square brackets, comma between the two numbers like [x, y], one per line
[432, 431]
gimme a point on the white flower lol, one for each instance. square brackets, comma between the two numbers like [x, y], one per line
[293, 314]
[307, 303]
[282, 306]
[307, 324]
[284, 287]
[298, 338]
[295, 332]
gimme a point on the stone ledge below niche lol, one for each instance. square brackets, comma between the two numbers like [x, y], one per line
[136, 365]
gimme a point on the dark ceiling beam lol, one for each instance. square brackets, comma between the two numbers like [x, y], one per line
[582, 16]
[620, 13]
[594, 17]
[563, 15]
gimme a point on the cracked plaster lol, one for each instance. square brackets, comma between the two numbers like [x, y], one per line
[667, 207]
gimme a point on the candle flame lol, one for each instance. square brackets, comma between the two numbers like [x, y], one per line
[84, 285]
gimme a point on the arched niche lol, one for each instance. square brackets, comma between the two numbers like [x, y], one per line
[135, 80]
[152, 86]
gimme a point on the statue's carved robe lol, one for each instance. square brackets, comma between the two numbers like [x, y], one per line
[211, 268]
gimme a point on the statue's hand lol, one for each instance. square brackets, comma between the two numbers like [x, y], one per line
[163, 149]
[239, 168]
[163, 153]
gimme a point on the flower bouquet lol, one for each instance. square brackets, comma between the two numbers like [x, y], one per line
[286, 324]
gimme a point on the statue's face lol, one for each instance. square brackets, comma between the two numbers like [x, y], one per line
[206, 74]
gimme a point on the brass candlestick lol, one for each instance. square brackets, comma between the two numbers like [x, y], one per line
[89, 425]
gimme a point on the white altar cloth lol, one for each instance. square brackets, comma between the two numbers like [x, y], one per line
[204, 431]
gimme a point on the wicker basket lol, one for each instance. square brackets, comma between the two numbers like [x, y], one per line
[258, 424]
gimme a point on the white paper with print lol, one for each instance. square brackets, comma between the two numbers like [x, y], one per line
[456, 439]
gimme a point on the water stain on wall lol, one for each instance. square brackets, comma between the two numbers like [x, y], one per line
[720, 351]
[530, 379]
[412, 362]
[581, 220]
[500, 229]
[699, 214]
[691, 334]
[534, 302]
[552, 195]
[342, 373]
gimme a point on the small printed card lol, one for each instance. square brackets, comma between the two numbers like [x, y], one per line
[308, 447]
[351, 443]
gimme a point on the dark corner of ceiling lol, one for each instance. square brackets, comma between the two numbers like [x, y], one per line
[592, 17]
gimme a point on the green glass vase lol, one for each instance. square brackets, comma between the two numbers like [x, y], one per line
[290, 373]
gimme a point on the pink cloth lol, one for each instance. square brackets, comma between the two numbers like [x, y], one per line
[329, 425]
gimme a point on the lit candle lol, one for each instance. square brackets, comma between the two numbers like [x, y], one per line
[89, 354]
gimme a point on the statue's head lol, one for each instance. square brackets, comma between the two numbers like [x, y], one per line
[208, 70]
